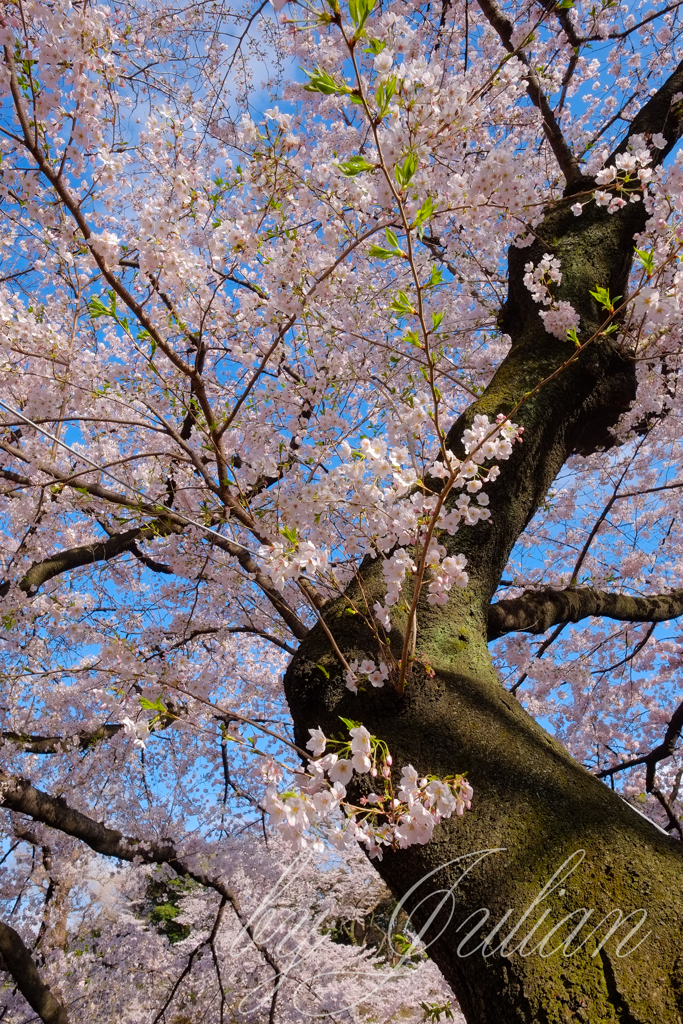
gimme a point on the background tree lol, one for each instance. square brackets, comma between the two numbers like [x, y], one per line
[355, 387]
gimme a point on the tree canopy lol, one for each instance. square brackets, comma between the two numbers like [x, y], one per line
[339, 496]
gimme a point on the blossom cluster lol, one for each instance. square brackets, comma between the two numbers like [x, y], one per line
[483, 440]
[560, 318]
[627, 176]
[289, 561]
[390, 818]
[376, 675]
[395, 521]
[540, 280]
[449, 573]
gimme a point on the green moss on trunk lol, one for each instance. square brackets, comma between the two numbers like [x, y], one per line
[536, 805]
[532, 801]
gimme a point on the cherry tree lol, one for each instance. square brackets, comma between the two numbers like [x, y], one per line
[341, 443]
[145, 944]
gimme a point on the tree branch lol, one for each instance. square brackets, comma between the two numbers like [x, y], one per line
[538, 610]
[87, 554]
[658, 115]
[211, 630]
[674, 823]
[32, 744]
[19, 963]
[17, 794]
[170, 523]
[659, 753]
[173, 519]
[188, 966]
[569, 165]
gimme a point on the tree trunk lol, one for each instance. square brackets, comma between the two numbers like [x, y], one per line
[533, 804]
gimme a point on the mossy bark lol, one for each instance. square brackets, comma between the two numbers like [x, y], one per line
[533, 803]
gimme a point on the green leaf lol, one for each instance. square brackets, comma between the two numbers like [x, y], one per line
[360, 11]
[392, 239]
[404, 172]
[384, 95]
[148, 705]
[290, 533]
[402, 305]
[97, 308]
[324, 671]
[349, 723]
[646, 260]
[601, 295]
[378, 253]
[324, 83]
[573, 336]
[433, 1011]
[426, 212]
[375, 46]
[356, 165]
[435, 278]
[436, 320]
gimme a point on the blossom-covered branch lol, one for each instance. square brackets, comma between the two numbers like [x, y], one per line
[17, 960]
[17, 794]
[569, 165]
[83, 739]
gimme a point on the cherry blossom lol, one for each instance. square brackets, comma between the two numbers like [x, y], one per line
[256, 331]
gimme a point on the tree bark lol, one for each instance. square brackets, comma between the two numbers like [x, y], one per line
[533, 803]
[537, 611]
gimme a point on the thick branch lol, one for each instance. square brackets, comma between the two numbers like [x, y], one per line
[539, 610]
[32, 744]
[667, 746]
[176, 523]
[87, 554]
[562, 15]
[17, 794]
[211, 630]
[19, 963]
[188, 966]
[658, 115]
